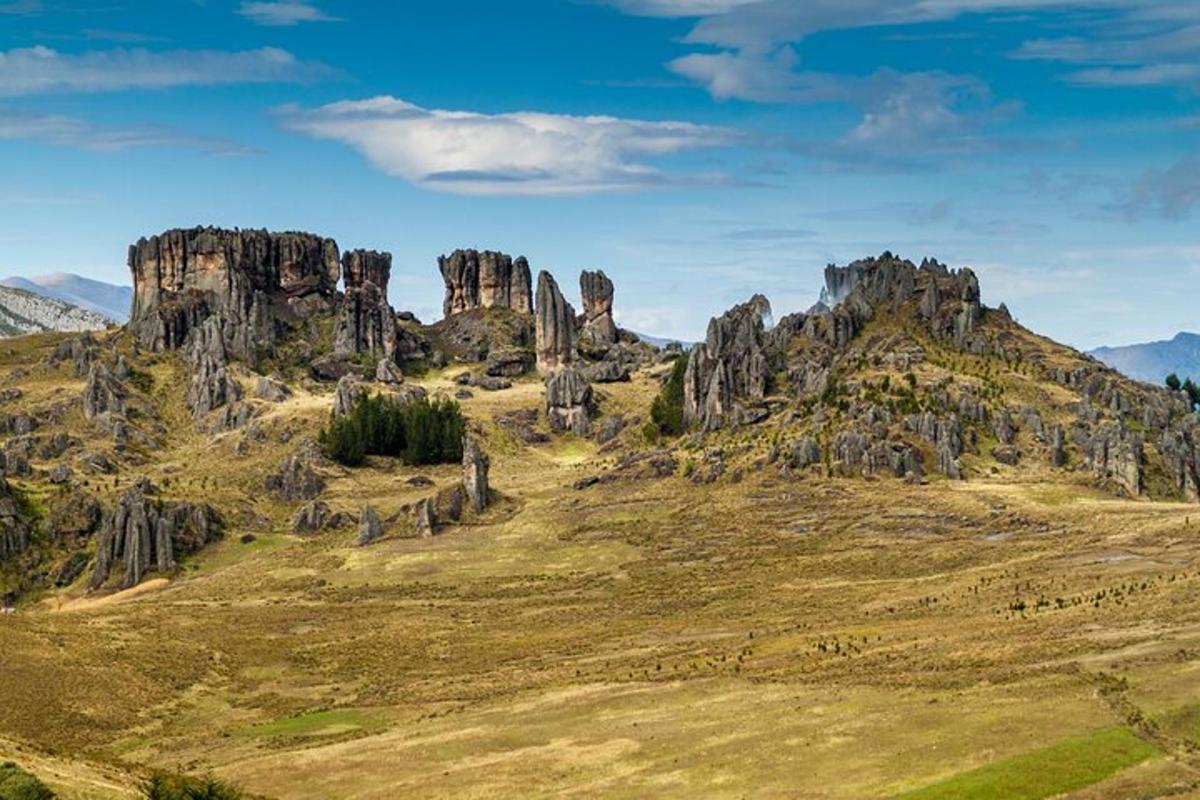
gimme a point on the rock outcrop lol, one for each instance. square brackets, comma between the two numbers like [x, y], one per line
[211, 386]
[554, 326]
[370, 529]
[486, 279]
[295, 480]
[365, 322]
[103, 393]
[14, 527]
[730, 364]
[569, 401]
[426, 517]
[598, 329]
[1116, 457]
[475, 464]
[144, 533]
[255, 280]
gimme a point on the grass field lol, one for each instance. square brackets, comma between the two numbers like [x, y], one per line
[1012, 636]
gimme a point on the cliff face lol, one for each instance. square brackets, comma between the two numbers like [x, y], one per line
[254, 279]
[485, 279]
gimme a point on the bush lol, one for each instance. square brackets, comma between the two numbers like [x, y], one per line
[416, 431]
[17, 784]
[1173, 382]
[163, 786]
[666, 412]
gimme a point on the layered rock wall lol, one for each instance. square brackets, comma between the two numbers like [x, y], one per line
[485, 279]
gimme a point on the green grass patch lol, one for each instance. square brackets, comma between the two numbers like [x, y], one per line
[336, 722]
[1069, 765]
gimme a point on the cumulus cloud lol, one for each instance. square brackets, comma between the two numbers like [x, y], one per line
[283, 14]
[467, 152]
[42, 70]
[78, 133]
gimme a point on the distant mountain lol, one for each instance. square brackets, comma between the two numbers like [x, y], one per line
[1154, 361]
[24, 312]
[106, 299]
[659, 341]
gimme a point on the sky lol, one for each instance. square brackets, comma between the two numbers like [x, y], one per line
[698, 151]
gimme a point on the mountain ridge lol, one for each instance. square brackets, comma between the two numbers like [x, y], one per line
[109, 300]
[1153, 361]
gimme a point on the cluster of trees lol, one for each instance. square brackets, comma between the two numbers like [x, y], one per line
[163, 786]
[17, 784]
[417, 431]
[1189, 387]
[666, 412]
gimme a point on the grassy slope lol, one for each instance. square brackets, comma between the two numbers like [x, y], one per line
[810, 638]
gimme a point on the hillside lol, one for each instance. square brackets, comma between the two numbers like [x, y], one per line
[1154, 361]
[24, 312]
[903, 547]
[107, 300]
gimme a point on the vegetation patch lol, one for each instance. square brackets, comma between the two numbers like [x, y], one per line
[417, 431]
[335, 722]
[1063, 767]
[17, 784]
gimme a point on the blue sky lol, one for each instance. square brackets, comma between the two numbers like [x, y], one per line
[696, 150]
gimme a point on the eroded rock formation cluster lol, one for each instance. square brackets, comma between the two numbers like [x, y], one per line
[485, 279]
[144, 532]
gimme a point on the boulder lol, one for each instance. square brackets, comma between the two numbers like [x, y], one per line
[485, 279]
[311, 518]
[388, 372]
[271, 390]
[554, 327]
[15, 529]
[349, 391]
[570, 403]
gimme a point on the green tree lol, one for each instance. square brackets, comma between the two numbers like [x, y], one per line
[1173, 382]
[416, 431]
[666, 412]
[17, 784]
[163, 786]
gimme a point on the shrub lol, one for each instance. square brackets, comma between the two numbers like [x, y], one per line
[417, 431]
[666, 412]
[163, 786]
[17, 784]
[1173, 382]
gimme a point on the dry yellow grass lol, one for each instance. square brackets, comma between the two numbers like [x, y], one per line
[650, 637]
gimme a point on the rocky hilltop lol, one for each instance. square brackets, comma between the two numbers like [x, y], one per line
[907, 373]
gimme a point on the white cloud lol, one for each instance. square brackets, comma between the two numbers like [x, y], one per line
[74, 132]
[283, 14]
[41, 70]
[466, 152]
[1151, 75]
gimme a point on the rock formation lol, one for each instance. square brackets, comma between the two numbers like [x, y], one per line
[211, 386]
[255, 280]
[426, 517]
[1116, 457]
[365, 322]
[596, 289]
[370, 528]
[475, 474]
[569, 401]
[103, 393]
[485, 280]
[554, 326]
[348, 393]
[311, 517]
[146, 533]
[730, 364]
[14, 527]
[295, 480]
